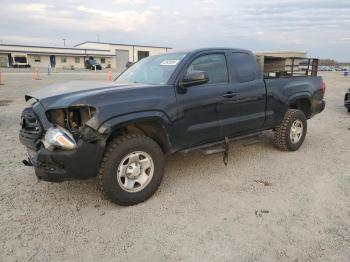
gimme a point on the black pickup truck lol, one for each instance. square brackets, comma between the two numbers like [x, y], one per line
[163, 104]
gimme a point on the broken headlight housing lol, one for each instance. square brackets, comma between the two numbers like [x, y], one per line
[68, 126]
[72, 118]
[57, 136]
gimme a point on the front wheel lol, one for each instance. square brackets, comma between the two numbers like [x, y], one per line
[132, 169]
[290, 135]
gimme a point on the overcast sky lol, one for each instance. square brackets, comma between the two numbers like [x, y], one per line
[320, 27]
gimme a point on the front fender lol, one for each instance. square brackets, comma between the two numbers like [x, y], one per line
[111, 124]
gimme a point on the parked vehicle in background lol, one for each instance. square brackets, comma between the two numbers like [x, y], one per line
[347, 100]
[339, 68]
[128, 64]
[92, 64]
[19, 60]
[198, 100]
[325, 68]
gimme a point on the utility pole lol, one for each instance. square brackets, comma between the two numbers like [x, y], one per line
[64, 42]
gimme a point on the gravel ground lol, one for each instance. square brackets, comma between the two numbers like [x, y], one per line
[203, 210]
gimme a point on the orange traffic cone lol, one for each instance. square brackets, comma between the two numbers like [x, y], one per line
[110, 76]
[1, 79]
[37, 75]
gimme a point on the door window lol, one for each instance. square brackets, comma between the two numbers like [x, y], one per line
[214, 65]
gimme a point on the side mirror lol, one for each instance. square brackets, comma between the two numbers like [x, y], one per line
[194, 78]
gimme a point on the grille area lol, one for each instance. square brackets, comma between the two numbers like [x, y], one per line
[31, 129]
[29, 122]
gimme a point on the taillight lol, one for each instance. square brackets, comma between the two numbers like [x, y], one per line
[323, 87]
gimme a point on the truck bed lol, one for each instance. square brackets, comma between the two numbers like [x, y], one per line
[282, 90]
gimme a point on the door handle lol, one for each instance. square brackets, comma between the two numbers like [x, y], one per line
[229, 95]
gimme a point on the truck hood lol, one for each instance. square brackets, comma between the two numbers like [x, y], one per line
[78, 92]
[73, 87]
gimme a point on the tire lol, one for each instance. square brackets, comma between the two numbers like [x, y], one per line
[287, 136]
[348, 110]
[131, 151]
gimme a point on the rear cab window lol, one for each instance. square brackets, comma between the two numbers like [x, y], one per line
[244, 67]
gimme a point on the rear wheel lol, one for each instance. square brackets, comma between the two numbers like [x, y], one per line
[132, 169]
[290, 135]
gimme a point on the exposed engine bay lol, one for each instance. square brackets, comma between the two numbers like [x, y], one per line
[72, 118]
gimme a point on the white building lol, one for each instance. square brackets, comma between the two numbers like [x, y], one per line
[109, 55]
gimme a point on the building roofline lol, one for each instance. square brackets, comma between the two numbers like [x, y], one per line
[93, 42]
[65, 48]
[279, 51]
[290, 57]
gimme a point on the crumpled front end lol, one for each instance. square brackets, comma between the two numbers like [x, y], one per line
[53, 160]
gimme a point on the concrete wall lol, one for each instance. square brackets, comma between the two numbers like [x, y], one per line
[44, 60]
[70, 61]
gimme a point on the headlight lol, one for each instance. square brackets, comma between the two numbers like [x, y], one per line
[58, 137]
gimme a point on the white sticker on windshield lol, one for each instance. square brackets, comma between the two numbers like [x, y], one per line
[169, 62]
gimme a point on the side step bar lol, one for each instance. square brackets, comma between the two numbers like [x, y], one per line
[222, 146]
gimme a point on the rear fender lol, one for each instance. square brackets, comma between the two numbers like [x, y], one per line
[300, 95]
[304, 96]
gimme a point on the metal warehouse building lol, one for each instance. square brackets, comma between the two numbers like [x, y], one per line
[109, 55]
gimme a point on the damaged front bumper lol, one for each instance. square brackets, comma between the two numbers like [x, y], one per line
[59, 164]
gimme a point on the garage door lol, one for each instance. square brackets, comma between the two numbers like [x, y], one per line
[122, 58]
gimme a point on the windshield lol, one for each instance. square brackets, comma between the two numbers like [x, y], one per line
[152, 70]
[93, 62]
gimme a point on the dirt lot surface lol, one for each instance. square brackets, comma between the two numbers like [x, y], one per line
[203, 211]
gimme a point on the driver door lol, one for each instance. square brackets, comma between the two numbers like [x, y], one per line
[199, 121]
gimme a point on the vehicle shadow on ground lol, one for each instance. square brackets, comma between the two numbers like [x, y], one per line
[179, 168]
